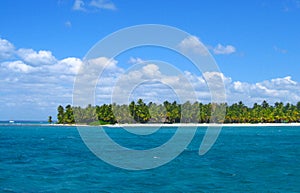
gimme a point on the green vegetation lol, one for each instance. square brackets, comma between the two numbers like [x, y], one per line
[139, 112]
[65, 116]
[50, 119]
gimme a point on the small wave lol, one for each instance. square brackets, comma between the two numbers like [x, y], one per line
[7, 190]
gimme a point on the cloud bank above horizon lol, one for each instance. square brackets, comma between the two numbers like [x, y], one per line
[35, 82]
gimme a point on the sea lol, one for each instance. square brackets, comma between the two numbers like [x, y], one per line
[37, 157]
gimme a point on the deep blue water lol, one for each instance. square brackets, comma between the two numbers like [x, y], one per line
[54, 159]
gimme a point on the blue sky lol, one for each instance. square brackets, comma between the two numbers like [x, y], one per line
[255, 44]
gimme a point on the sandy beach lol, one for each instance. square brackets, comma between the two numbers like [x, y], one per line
[206, 125]
[188, 125]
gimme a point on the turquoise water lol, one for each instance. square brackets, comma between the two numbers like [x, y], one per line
[54, 159]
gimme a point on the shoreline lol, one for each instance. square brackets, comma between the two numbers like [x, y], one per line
[185, 125]
[163, 125]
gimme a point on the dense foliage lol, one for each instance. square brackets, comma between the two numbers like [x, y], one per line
[139, 112]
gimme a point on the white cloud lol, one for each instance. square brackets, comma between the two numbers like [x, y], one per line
[41, 57]
[6, 49]
[78, 5]
[103, 4]
[240, 87]
[281, 82]
[35, 80]
[274, 90]
[220, 49]
[103, 62]
[102, 65]
[36, 76]
[216, 76]
[151, 70]
[192, 44]
[18, 66]
[69, 65]
[133, 60]
[152, 83]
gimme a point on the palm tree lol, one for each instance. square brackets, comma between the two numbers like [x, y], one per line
[60, 114]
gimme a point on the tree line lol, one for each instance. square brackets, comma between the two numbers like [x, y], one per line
[140, 112]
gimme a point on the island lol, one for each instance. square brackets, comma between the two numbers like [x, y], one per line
[171, 113]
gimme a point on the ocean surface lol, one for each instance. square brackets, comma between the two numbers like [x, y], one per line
[43, 158]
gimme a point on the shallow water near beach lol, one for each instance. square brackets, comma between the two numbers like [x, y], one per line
[41, 158]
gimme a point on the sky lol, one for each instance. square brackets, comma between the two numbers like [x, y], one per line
[42, 45]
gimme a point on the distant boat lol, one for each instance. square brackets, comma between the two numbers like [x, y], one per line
[11, 121]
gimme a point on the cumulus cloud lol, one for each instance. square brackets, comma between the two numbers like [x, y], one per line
[283, 89]
[18, 66]
[32, 77]
[279, 89]
[149, 82]
[152, 83]
[69, 65]
[102, 62]
[35, 80]
[220, 49]
[192, 44]
[41, 57]
[6, 49]
[151, 70]
[216, 76]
